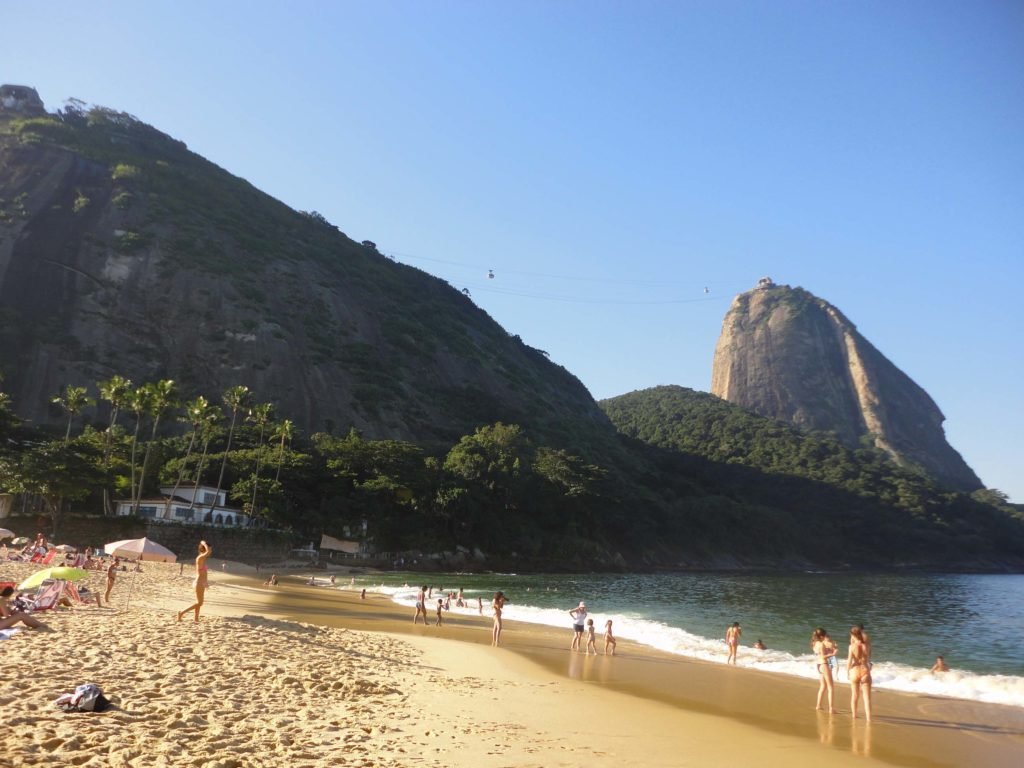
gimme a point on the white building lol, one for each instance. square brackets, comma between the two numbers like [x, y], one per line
[189, 505]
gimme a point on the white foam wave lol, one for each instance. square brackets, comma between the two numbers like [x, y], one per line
[994, 689]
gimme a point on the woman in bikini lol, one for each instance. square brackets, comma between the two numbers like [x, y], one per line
[732, 639]
[201, 581]
[497, 604]
[421, 606]
[823, 648]
[858, 670]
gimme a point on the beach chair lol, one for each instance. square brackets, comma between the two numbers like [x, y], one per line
[49, 557]
[72, 591]
[47, 596]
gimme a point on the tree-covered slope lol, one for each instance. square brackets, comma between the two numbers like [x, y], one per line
[831, 502]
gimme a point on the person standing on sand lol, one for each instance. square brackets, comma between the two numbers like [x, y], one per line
[498, 603]
[867, 643]
[732, 639]
[421, 606]
[579, 620]
[823, 648]
[111, 577]
[591, 645]
[440, 607]
[858, 672]
[609, 638]
[201, 581]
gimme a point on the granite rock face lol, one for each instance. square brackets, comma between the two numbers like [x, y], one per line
[121, 252]
[789, 355]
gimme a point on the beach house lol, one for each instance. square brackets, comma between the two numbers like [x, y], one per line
[202, 504]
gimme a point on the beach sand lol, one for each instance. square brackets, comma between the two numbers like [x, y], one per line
[309, 676]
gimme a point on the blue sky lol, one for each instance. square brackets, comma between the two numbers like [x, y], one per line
[610, 160]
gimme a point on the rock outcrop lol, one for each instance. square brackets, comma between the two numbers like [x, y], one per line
[787, 354]
[121, 252]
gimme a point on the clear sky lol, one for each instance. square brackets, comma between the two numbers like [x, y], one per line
[611, 160]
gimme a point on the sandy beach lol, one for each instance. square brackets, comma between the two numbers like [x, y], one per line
[309, 676]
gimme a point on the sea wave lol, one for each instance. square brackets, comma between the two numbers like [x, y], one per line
[993, 689]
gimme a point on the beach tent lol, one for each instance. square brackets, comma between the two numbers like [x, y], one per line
[140, 549]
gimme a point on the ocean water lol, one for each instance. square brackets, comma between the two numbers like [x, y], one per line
[975, 621]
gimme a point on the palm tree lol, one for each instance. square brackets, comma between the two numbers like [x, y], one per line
[162, 398]
[197, 413]
[114, 390]
[235, 398]
[74, 401]
[260, 416]
[209, 430]
[284, 432]
[137, 401]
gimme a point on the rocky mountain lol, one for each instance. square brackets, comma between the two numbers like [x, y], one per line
[122, 252]
[786, 354]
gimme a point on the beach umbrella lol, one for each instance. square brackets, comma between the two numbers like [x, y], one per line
[62, 572]
[6, 534]
[141, 549]
[65, 548]
[20, 540]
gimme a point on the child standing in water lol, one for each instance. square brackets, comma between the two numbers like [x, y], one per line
[591, 647]
[609, 638]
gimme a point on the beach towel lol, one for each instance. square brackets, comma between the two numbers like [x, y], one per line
[7, 634]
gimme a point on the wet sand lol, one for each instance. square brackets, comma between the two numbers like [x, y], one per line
[310, 676]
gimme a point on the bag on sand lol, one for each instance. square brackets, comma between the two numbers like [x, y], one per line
[86, 698]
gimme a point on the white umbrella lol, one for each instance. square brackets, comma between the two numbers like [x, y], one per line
[141, 549]
[65, 548]
[6, 534]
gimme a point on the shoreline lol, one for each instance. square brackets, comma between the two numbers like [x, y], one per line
[462, 702]
[908, 728]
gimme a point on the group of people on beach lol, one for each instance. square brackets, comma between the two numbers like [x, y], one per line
[583, 624]
[858, 668]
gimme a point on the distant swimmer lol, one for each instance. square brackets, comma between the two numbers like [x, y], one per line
[940, 665]
[759, 645]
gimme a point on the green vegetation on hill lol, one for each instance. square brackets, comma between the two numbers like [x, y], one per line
[855, 505]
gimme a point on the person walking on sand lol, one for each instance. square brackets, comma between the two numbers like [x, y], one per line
[111, 577]
[858, 672]
[421, 606]
[498, 603]
[823, 648]
[201, 581]
[732, 639]
[591, 644]
[579, 620]
[609, 638]
[440, 607]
